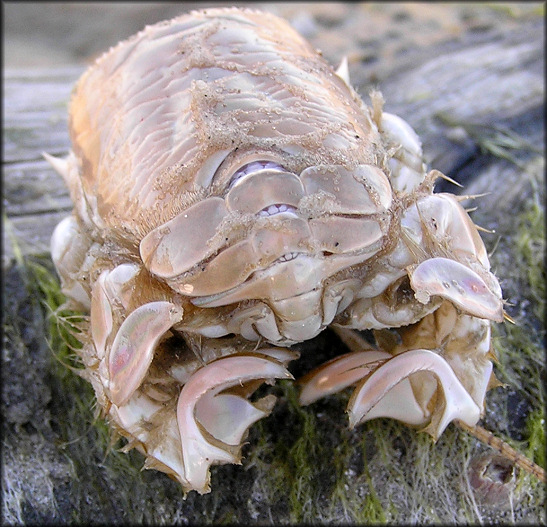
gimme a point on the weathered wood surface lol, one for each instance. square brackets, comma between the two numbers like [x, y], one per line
[35, 121]
[457, 94]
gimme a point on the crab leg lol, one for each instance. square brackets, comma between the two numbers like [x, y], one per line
[199, 406]
[227, 416]
[133, 347]
[400, 386]
[399, 402]
[338, 374]
[396, 400]
[462, 286]
[369, 399]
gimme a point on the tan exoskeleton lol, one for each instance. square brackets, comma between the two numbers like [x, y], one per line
[234, 196]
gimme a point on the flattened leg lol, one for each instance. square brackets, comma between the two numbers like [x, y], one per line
[438, 372]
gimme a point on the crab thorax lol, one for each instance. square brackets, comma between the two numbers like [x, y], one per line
[168, 117]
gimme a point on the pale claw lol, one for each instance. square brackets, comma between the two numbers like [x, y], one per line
[133, 347]
[348, 369]
[369, 399]
[110, 288]
[134, 418]
[457, 283]
[227, 416]
[398, 403]
[69, 247]
[200, 447]
[338, 374]
[101, 315]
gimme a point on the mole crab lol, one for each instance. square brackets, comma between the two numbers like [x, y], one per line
[233, 196]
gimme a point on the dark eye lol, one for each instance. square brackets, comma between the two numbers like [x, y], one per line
[254, 166]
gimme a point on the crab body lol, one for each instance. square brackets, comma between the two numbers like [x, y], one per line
[234, 196]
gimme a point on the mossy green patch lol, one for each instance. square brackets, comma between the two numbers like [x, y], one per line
[63, 325]
[520, 346]
[85, 432]
[535, 428]
[530, 243]
[306, 468]
[518, 10]
[303, 464]
[494, 140]
[315, 469]
[521, 365]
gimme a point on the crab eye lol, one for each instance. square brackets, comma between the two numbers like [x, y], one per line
[252, 167]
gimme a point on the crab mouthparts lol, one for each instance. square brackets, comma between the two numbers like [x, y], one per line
[252, 167]
[278, 208]
[287, 257]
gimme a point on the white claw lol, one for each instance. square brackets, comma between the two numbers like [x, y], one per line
[227, 416]
[398, 403]
[369, 399]
[69, 248]
[338, 374]
[457, 283]
[101, 315]
[201, 447]
[133, 347]
[133, 418]
[111, 288]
